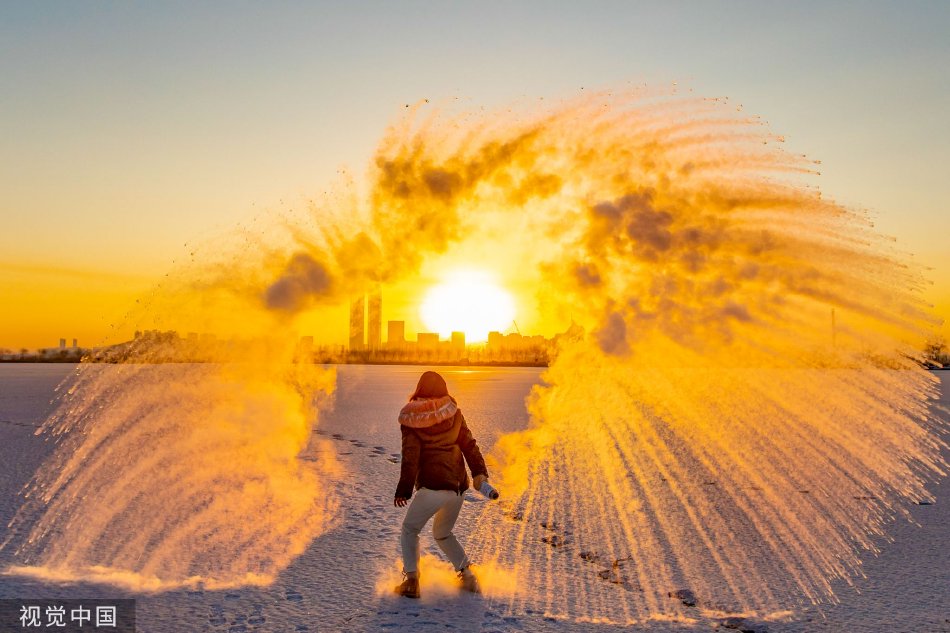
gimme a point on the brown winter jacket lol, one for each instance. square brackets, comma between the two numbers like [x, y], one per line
[435, 447]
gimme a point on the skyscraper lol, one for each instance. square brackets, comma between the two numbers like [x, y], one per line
[375, 320]
[357, 308]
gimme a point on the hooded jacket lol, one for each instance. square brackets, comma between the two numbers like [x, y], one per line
[436, 444]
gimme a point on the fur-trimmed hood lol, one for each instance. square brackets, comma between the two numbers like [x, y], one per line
[426, 412]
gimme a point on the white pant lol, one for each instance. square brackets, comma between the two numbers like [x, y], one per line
[445, 505]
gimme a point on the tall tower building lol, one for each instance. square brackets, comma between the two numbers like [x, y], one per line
[374, 321]
[357, 309]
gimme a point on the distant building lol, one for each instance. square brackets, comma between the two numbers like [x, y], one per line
[375, 321]
[513, 341]
[427, 340]
[495, 341]
[458, 343]
[62, 343]
[366, 322]
[357, 308]
[75, 343]
[396, 334]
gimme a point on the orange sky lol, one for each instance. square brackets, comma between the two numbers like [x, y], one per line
[129, 133]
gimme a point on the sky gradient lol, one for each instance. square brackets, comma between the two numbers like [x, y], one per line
[130, 130]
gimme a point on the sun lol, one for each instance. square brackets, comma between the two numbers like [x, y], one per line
[468, 301]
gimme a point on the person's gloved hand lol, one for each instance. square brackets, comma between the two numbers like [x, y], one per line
[400, 501]
[478, 481]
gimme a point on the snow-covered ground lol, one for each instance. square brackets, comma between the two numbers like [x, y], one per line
[339, 583]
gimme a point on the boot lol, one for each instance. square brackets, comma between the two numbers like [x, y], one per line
[468, 581]
[410, 586]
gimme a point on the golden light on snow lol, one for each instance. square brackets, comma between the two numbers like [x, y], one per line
[468, 301]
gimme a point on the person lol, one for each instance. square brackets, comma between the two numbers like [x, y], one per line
[436, 444]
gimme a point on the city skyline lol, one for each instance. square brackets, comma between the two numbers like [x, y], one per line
[365, 327]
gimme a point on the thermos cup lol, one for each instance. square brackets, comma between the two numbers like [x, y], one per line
[488, 491]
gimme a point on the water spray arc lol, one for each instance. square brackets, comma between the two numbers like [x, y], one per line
[704, 433]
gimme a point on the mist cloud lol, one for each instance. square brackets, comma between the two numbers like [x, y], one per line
[303, 279]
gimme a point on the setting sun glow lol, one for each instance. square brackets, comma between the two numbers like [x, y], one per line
[469, 302]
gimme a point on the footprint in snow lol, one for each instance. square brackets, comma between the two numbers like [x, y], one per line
[216, 617]
[292, 595]
[257, 615]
